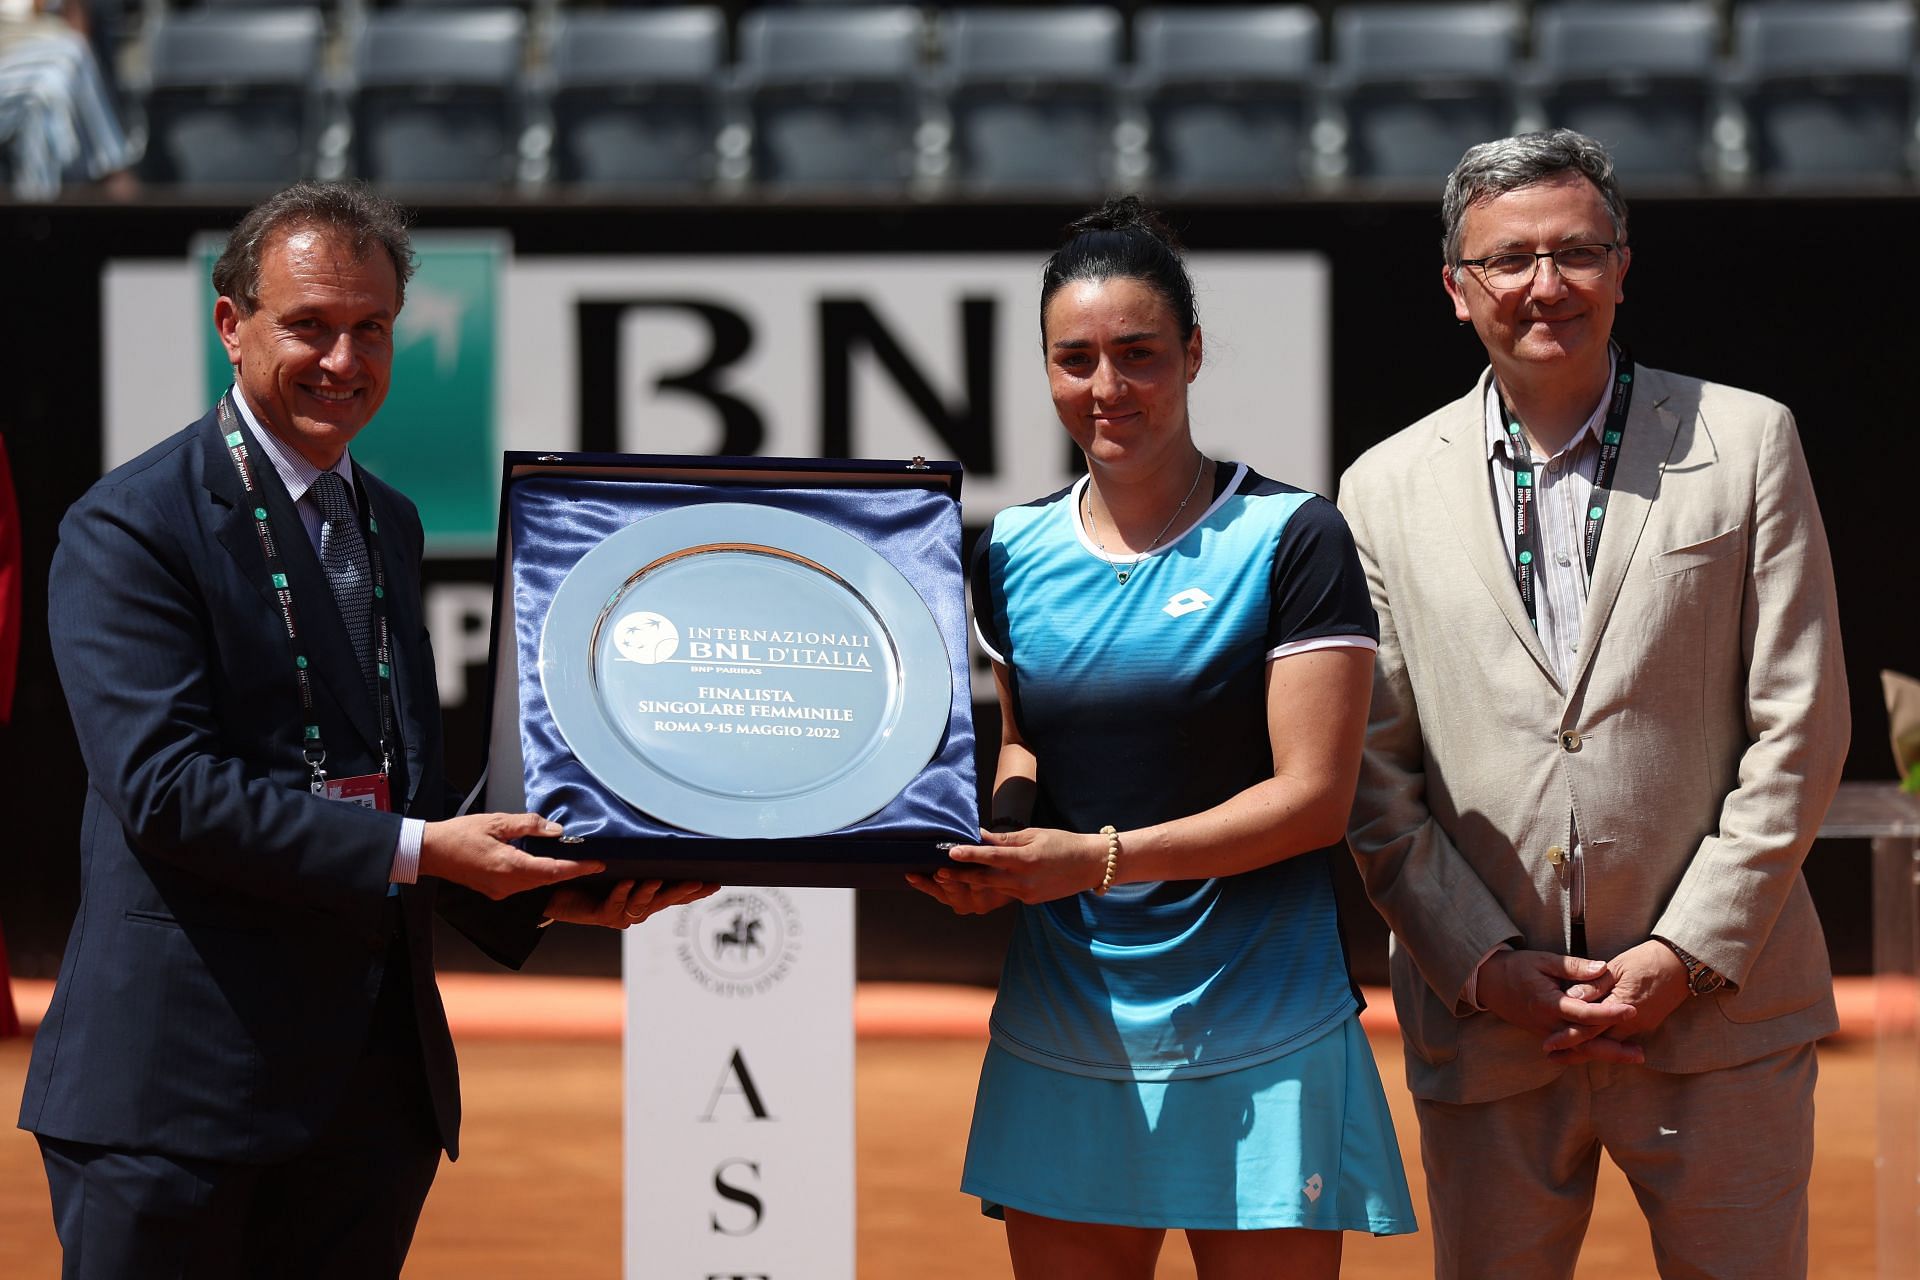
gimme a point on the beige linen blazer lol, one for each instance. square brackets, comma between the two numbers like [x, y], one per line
[1709, 704]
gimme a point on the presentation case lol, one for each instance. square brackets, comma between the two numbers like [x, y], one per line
[741, 670]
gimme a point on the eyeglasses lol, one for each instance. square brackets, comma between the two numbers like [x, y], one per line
[1577, 262]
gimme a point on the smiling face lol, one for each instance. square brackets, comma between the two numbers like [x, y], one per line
[1552, 326]
[314, 354]
[1118, 369]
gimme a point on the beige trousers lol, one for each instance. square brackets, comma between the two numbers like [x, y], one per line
[1718, 1160]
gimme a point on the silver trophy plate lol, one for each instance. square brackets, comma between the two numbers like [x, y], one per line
[745, 672]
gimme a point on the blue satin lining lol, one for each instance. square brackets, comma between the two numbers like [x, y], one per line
[555, 521]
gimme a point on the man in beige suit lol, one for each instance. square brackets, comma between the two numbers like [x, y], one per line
[1609, 712]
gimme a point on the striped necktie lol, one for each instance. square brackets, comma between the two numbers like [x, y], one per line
[343, 554]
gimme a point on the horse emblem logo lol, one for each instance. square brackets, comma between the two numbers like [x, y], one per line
[739, 942]
[743, 932]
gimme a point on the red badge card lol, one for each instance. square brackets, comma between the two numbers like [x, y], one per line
[369, 791]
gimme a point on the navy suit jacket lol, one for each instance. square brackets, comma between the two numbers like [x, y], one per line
[233, 928]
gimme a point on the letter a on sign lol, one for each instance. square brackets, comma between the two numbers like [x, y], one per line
[736, 1079]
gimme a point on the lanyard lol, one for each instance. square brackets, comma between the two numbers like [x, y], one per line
[1526, 535]
[313, 749]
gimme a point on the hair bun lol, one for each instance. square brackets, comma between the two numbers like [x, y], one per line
[1125, 213]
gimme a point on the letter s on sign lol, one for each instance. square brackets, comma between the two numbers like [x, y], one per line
[739, 1195]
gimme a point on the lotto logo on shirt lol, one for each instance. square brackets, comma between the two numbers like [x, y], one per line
[1192, 600]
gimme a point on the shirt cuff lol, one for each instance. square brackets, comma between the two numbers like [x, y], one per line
[406, 852]
[1470, 994]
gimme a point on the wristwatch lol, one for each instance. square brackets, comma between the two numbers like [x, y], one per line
[1701, 980]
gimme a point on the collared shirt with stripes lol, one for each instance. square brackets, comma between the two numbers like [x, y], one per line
[1562, 486]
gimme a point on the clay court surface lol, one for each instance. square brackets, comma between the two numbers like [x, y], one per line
[537, 1193]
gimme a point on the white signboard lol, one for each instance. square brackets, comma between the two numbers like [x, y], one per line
[881, 355]
[739, 1088]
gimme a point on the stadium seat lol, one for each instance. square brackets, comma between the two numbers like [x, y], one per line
[1229, 94]
[1032, 96]
[190, 6]
[1642, 78]
[1417, 85]
[231, 97]
[634, 96]
[1826, 89]
[436, 96]
[833, 96]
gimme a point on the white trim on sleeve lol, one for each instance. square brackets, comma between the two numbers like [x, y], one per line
[980, 638]
[1322, 642]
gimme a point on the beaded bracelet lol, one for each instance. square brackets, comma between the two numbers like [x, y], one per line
[1113, 859]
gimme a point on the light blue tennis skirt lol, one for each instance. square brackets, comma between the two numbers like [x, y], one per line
[1305, 1140]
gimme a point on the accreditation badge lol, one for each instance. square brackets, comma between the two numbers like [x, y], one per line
[368, 790]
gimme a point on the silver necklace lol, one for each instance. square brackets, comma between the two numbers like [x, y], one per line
[1122, 572]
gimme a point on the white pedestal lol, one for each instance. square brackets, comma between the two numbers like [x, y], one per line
[739, 1088]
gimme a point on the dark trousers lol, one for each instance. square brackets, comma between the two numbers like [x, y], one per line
[345, 1208]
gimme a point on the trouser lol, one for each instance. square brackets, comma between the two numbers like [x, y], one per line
[345, 1207]
[1719, 1161]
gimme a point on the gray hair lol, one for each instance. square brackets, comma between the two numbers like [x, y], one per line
[365, 220]
[1508, 164]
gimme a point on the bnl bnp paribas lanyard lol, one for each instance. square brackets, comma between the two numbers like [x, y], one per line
[1526, 537]
[313, 748]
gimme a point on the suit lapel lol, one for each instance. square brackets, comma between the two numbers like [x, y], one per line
[329, 650]
[1460, 472]
[1651, 430]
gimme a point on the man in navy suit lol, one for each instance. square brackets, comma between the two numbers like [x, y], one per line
[246, 1069]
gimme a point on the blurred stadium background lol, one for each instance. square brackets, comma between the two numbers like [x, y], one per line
[556, 99]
